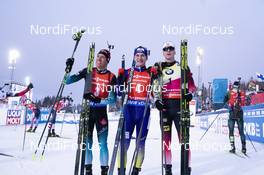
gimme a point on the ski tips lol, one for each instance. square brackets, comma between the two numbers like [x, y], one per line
[184, 42]
[92, 45]
[34, 157]
[41, 158]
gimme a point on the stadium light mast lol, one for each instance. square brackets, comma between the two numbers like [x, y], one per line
[14, 54]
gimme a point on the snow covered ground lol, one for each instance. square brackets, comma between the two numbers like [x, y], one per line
[209, 157]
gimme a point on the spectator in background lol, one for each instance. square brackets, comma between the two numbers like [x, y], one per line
[35, 119]
[236, 99]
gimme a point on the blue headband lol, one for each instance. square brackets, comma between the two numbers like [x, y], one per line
[141, 49]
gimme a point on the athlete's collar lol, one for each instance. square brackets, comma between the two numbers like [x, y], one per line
[140, 69]
[101, 71]
[166, 64]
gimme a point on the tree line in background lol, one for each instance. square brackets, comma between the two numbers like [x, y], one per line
[48, 101]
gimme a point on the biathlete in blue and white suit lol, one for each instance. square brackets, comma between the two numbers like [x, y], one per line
[134, 109]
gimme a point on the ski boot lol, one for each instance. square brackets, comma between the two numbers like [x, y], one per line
[49, 133]
[168, 169]
[104, 170]
[53, 134]
[233, 149]
[30, 129]
[135, 171]
[119, 171]
[189, 170]
[244, 149]
[88, 169]
[34, 130]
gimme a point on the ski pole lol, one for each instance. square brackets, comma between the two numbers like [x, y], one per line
[135, 154]
[210, 126]
[25, 129]
[62, 122]
[251, 142]
[25, 120]
[56, 109]
[110, 47]
[212, 122]
[76, 37]
[163, 155]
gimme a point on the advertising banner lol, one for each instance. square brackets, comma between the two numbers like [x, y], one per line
[13, 117]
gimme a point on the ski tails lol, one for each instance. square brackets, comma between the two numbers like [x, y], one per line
[84, 118]
[185, 113]
[121, 121]
[122, 139]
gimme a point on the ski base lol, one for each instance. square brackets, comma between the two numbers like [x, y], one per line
[240, 155]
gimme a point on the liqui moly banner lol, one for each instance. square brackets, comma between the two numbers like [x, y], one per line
[13, 117]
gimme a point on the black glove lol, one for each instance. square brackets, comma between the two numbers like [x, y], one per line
[30, 86]
[69, 98]
[121, 76]
[91, 97]
[8, 94]
[69, 63]
[159, 105]
[188, 97]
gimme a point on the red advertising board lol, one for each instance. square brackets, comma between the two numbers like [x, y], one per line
[257, 99]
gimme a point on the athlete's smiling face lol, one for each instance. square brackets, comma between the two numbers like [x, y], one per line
[169, 53]
[140, 59]
[101, 62]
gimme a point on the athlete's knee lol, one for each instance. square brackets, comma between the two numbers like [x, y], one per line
[103, 145]
[142, 141]
[167, 145]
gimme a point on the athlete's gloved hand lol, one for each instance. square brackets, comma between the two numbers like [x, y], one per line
[188, 97]
[91, 97]
[121, 75]
[159, 105]
[30, 86]
[8, 94]
[154, 70]
[69, 64]
[121, 72]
